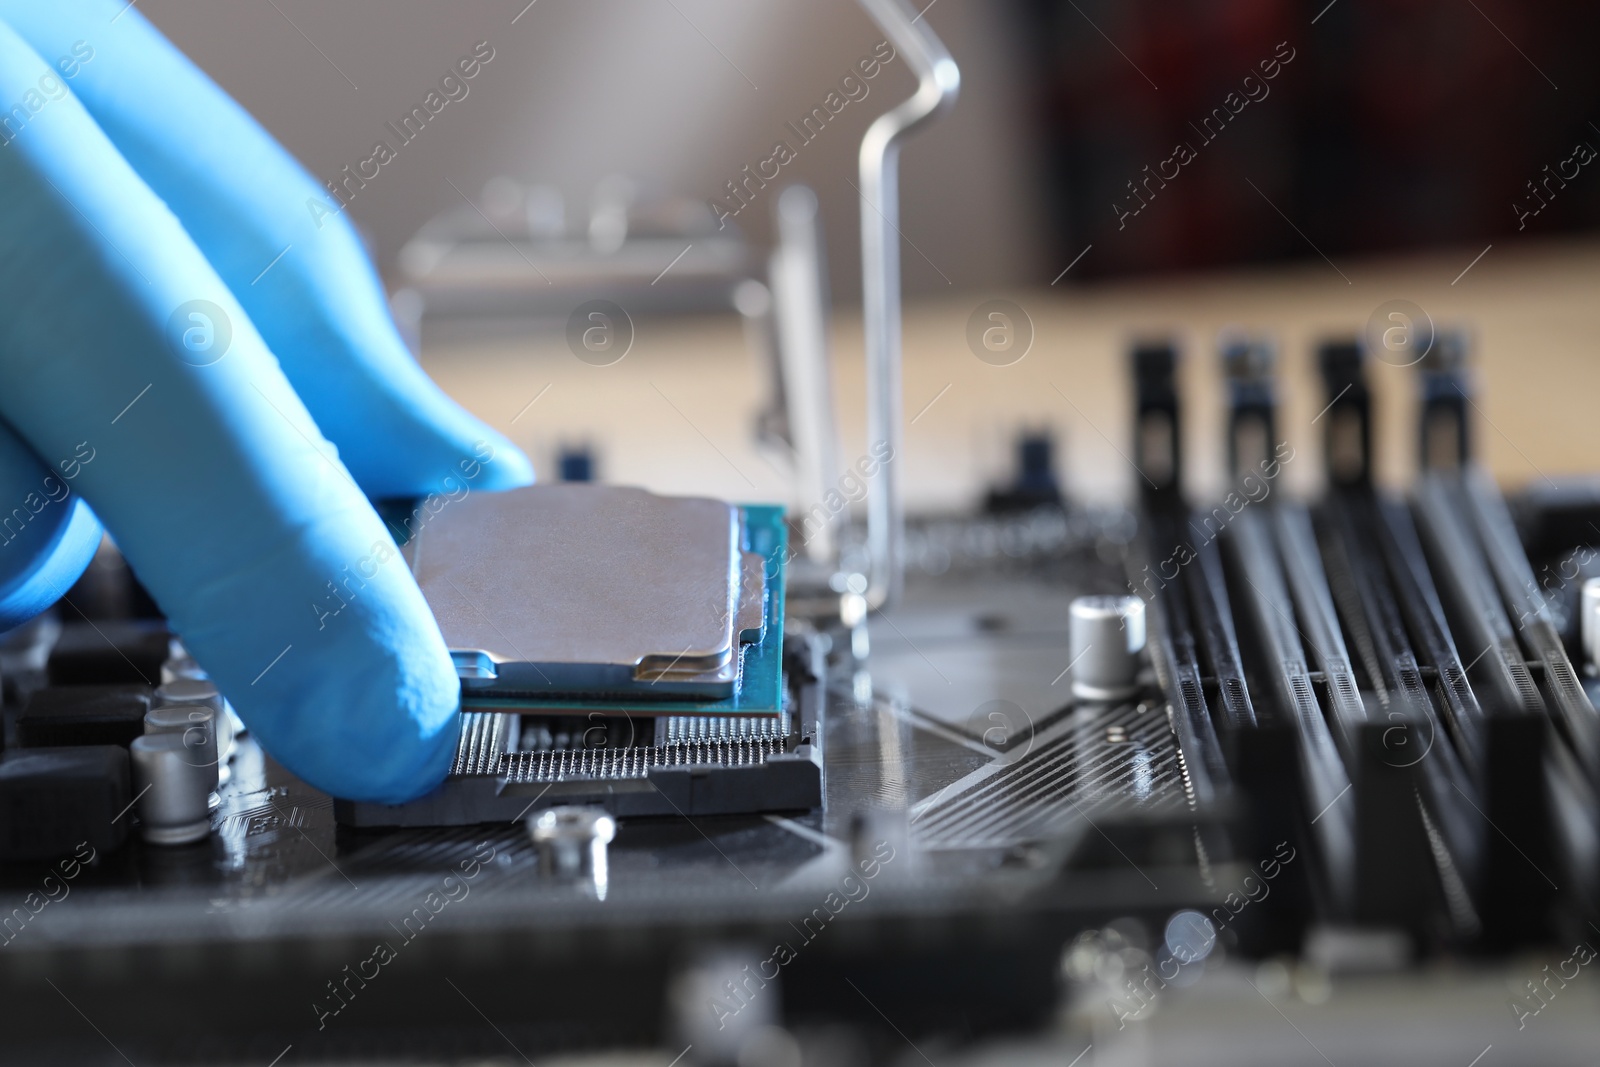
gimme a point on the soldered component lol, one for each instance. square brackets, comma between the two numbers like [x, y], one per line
[1108, 639]
[173, 789]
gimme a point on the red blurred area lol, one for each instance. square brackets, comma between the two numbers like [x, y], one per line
[1396, 124]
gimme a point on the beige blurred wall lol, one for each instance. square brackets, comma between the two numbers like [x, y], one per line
[579, 89]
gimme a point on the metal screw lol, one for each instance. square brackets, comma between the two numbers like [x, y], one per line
[572, 843]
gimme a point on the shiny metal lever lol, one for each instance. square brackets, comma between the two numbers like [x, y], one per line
[938, 81]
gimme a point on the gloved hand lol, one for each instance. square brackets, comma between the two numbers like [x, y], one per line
[183, 343]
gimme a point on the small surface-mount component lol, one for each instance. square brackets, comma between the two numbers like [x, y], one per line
[54, 799]
[173, 790]
[83, 715]
[1108, 636]
[112, 651]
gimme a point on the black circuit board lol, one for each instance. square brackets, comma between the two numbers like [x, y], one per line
[1358, 700]
[982, 787]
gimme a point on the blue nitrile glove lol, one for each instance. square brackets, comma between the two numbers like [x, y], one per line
[180, 341]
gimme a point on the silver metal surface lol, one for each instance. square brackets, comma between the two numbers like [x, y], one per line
[196, 725]
[938, 81]
[800, 310]
[183, 666]
[172, 791]
[572, 843]
[202, 690]
[489, 747]
[1115, 757]
[560, 765]
[583, 589]
[190, 691]
[203, 730]
[485, 737]
[1589, 620]
[1107, 641]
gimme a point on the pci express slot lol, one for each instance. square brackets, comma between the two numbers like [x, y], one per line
[1174, 652]
[1473, 602]
[1260, 753]
[1512, 572]
[1503, 746]
[1394, 865]
[1411, 752]
[1407, 568]
[1511, 770]
[1541, 834]
[1403, 763]
[1279, 658]
[1261, 747]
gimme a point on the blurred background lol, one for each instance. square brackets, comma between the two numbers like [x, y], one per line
[677, 95]
[1116, 168]
[1398, 124]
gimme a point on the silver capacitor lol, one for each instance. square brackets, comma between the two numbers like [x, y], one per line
[204, 691]
[1589, 621]
[181, 666]
[1107, 642]
[172, 791]
[197, 725]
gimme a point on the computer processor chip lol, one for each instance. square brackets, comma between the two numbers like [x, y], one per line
[592, 592]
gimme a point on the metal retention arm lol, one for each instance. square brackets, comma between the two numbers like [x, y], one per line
[938, 81]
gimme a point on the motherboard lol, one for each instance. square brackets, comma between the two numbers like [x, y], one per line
[1090, 758]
